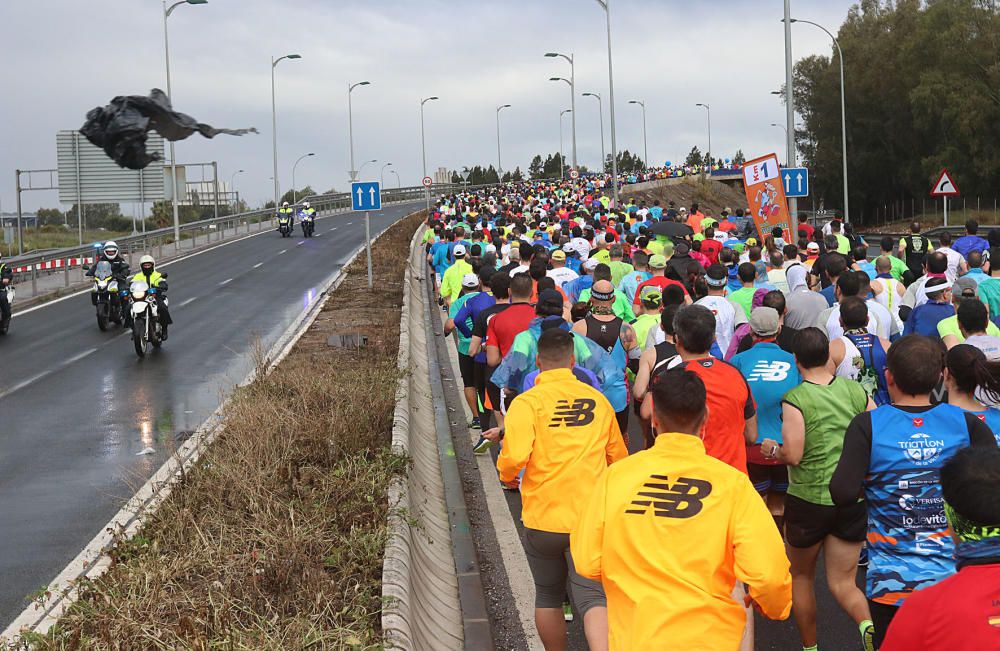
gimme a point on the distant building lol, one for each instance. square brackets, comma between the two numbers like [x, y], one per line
[442, 176]
[28, 219]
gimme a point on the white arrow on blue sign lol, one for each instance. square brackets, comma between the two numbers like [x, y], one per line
[796, 180]
[366, 196]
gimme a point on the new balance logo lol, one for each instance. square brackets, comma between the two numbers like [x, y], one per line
[577, 413]
[684, 499]
[765, 371]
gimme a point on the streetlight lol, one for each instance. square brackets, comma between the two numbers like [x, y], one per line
[572, 92]
[843, 108]
[645, 149]
[709, 109]
[600, 112]
[350, 124]
[295, 197]
[367, 162]
[232, 188]
[780, 126]
[793, 204]
[606, 5]
[381, 174]
[499, 108]
[274, 123]
[170, 96]
[562, 162]
[423, 150]
[397, 178]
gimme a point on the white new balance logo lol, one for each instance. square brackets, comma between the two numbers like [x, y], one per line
[769, 372]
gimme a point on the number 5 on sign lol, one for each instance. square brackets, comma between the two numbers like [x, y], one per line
[766, 196]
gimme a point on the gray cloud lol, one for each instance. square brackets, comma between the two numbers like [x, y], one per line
[66, 56]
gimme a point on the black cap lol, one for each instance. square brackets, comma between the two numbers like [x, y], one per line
[550, 298]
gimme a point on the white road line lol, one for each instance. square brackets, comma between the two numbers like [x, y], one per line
[283, 251]
[333, 229]
[258, 265]
[187, 301]
[45, 374]
[225, 282]
[301, 243]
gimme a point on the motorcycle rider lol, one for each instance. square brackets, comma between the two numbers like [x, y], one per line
[148, 274]
[119, 269]
[6, 279]
[308, 213]
[286, 213]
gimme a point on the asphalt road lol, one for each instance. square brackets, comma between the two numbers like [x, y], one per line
[77, 405]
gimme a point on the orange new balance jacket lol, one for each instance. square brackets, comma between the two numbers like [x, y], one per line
[669, 531]
[564, 433]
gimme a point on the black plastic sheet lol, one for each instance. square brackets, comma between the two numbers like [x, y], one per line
[120, 128]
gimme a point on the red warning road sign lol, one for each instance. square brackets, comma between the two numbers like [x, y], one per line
[945, 186]
[427, 181]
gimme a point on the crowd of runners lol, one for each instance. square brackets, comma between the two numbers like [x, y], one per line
[788, 395]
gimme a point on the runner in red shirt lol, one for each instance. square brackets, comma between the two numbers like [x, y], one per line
[511, 322]
[803, 225]
[711, 247]
[658, 266]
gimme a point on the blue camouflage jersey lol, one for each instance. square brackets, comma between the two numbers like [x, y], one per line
[908, 540]
[992, 419]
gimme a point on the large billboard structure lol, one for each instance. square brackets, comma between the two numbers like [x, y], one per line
[87, 175]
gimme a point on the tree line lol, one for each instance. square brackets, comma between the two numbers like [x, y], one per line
[922, 93]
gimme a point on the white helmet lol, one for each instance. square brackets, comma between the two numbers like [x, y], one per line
[146, 259]
[284, 205]
[305, 205]
[111, 249]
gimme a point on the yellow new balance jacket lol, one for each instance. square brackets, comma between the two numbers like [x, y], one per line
[669, 531]
[564, 434]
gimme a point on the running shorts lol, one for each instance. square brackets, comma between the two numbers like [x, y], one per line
[768, 478]
[467, 367]
[806, 524]
[551, 564]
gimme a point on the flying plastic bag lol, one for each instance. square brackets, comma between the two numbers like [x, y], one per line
[120, 128]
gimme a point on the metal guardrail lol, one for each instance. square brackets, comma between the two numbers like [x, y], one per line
[213, 229]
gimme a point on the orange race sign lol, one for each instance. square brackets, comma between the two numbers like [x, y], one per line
[766, 196]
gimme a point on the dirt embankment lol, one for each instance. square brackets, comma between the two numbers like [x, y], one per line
[713, 196]
[275, 539]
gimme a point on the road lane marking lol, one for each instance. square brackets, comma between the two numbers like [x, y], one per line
[333, 229]
[187, 301]
[301, 243]
[282, 251]
[35, 378]
[258, 265]
[225, 282]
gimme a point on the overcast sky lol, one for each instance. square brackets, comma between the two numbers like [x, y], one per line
[64, 57]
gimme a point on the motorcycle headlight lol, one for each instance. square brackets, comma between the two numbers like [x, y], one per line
[138, 294]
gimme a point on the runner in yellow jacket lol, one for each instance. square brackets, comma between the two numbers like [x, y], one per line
[670, 531]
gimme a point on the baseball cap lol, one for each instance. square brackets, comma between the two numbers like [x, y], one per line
[966, 287]
[682, 210]
[590, 264]
[558, 254]
[651, 296]
[550, 298]
[717, 276]
[764, 321]
[459, 250]
[682, 248]
[657, 262]
[470, 280]
[812, 247]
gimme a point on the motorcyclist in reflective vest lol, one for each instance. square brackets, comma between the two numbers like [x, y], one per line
[148, 274]
[286, 212]
[6, 279]
[120, 270]
[308, 213]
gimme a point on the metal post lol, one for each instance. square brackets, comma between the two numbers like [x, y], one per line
[945, 211]
[274, 134]
[600, 113]
[645, 146]
[793, 204]
[368, 247]
[20, 235]
[142, 201]
[423, 151]
[79, 192]
[562, 163]
[173, 155]
[350, 131]
[499, 166]
[606, 5]
[215, 184]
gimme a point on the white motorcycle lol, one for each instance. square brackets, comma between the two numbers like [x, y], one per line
[5, 323]
[104, 296]
[146, 328]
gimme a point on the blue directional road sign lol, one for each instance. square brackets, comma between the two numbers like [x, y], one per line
[366, 196]
[796, 180]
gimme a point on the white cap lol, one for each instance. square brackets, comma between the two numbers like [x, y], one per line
[590, 264]
[490, 248]
[459, 249]
[470, 280]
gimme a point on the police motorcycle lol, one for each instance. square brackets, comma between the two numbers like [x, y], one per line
[8, 290]
[307, 217]
[285, 220]
[105, 297]
[146, 328]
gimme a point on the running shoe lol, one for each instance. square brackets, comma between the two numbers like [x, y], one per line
[483, 445]
[474, 423]
[567, 612]
[868, 637]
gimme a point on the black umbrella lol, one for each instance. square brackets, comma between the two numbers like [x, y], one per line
[671, 229]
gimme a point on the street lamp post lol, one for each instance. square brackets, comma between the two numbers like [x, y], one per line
[350, 124]
[572, 93]
[367, 162]
[423, 150]
[499, 168]
[709, 153]
[645, 149]
[232, 189]
[562, 162]
[381, 174]
[793, 204]
[606, 5]
[295, 196]
[397, 178]
[843, 109]
[274, 122]
[170, 96]
[600, 113]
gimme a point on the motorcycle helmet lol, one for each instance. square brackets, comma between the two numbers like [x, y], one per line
[111, 250]
[147, 264]
[284, 205]
[305, 205]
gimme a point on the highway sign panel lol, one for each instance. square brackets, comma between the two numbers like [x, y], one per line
[366, 196]
[427, 181]
[945, 186]
[796, 180]
[574, 174]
